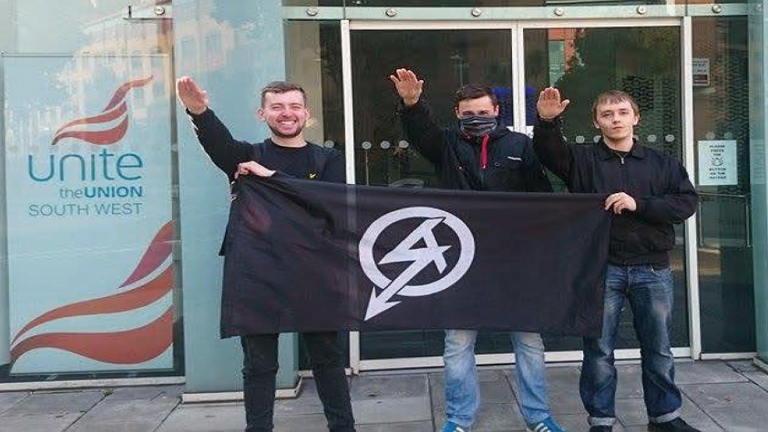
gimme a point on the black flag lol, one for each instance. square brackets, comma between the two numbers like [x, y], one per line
[313, 256]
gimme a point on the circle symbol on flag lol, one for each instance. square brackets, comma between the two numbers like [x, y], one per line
[420, 257]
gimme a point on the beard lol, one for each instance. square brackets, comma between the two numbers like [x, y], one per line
[277, 133]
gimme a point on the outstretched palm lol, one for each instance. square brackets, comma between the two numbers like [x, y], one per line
[191, 96]
[549, 104]
[408, 86]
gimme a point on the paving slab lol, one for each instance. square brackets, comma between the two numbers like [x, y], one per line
[743, 365]
[308, 401]
[726, 395]
[389, 386]
[437, 392]
[733, 397]
[7, 400]
[734, 406]
[496, 392]
[564, 395]
[629, 383]
[492, 375]
[144, 392]
[698, 418]
[301, 423]
[229, 417]
[56, 403]
[388, 410]
[737, 419]
[494, 388]
[422, 426]
[37, 422]
[126, 415]
[484, 374]
[491, 418]
[759, 377]
[631, 412]
[706, 372]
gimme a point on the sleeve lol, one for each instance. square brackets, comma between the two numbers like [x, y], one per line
[550, 147]
[422, 131]
[676, 205]
[533, 173]
[225, 152]
[334, 169]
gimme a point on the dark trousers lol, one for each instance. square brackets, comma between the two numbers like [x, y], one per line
[260, 367]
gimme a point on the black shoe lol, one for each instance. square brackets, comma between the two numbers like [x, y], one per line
[677, 425]
[601, 429]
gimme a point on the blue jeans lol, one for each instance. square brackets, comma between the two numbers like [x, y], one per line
[650, 294]
[462, 392]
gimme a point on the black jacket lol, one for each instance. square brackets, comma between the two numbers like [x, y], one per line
[658, 183]
[512, 165]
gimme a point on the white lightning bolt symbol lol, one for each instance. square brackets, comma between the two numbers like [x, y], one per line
[420, 257]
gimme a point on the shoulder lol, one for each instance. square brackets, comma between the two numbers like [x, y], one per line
[325, 152]
[259, 147]
[511, 138]
[658, 157]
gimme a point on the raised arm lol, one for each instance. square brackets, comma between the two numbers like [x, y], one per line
[548, 140]
[418, 124]
[225, 152]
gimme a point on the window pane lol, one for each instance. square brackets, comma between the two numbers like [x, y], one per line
[721, 133]
[645, 62]
[445, 60]
[87, 181]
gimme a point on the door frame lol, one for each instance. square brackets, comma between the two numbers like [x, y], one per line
[517, 29]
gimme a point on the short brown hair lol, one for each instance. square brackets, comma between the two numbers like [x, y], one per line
[473, 91]
[281, 87]
[614, 96]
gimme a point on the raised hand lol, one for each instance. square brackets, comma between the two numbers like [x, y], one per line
[408, 86]
[191, 96]
[549, 104]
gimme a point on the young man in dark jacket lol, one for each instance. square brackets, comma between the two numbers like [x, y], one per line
[647, 192]
[486, 157]
[285, 153]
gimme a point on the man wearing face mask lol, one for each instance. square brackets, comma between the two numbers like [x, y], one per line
[483, 156]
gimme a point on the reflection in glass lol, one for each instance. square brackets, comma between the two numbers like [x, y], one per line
[644, 62]
[315, 64]
[444, 60]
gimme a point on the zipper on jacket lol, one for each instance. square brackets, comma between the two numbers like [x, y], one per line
[623, 174]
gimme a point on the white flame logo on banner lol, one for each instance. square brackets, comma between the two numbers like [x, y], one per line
[419, 257]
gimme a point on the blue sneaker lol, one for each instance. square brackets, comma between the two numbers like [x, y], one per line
[547, 425]
[453, 427]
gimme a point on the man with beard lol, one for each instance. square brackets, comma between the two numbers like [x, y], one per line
[284, 153]
[481, 156]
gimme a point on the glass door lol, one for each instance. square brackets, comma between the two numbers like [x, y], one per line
[644, 61]
[445, 59]
[517, 60]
